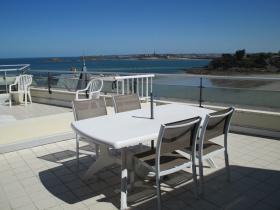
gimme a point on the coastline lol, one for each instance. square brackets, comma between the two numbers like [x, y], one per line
[232, 72]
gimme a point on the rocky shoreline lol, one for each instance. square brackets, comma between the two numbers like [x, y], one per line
[241, 63]
[232, 71]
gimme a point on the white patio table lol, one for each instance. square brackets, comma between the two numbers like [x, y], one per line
[122, 130]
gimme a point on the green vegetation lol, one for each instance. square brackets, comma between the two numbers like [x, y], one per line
[240, 61]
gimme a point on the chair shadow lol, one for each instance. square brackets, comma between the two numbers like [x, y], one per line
[66, 183]
[58, 156]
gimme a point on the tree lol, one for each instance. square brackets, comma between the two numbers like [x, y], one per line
[239, 54]
[260, 60]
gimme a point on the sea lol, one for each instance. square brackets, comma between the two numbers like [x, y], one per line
[131, 66]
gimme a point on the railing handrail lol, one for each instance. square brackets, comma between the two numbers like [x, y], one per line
[88, 72]
[264, 77]
[22, 66]
[134, 76]
[261, 77]
[142, 83]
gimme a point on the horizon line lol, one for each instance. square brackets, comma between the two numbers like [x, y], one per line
[131, 54]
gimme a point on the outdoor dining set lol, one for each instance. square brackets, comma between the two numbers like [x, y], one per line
[148, 142]
[176, 137]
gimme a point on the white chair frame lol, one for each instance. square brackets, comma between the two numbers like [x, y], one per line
[202, 157]
[92, 89]
[23, 83]
[158, 173]
[191, 164]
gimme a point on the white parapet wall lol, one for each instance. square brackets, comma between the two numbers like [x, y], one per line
[56, 97]
[247, 121]
[61, 97]
[256, 122]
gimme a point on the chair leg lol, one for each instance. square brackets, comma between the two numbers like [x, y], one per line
[10, 100]
[152, 144]
[227, 166]
[77, 150]
[131, 179]
[96, 150]
[194, 178]
[158, 193]
[25, 98]
[29, 97]
[201, 190]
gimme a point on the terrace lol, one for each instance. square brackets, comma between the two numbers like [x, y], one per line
[38, 165]
[45, 177]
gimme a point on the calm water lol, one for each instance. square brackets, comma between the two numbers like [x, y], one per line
[133, 66]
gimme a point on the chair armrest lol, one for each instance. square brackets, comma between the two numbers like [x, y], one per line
[80, 91]
[14, 84]
[10, 87]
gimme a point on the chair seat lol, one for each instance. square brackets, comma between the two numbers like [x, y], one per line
[208, 147]
[167, 160]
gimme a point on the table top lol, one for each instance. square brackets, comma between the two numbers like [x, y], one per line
[133, 127]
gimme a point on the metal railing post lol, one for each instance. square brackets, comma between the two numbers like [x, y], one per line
[200, 92]
[86, 78]
[49, 82]
[6, 83]
[134, 86]
[123, 87]
[117, 86]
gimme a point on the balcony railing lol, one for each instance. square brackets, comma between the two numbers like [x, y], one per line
[242, 91]
[140, 84]
[254, 92]
[8, 72]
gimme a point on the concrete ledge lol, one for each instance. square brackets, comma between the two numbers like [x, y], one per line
[62, 97]
[255, 132]
[249, 121]
[59, 97]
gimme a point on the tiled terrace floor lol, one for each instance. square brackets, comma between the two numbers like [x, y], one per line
[21, 111]
[45, 177]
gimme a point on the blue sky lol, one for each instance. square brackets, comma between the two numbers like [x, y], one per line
[34, 28]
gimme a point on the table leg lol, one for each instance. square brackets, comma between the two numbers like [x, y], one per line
[104, 159]
[124, 178]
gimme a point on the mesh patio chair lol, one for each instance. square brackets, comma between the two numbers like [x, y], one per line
[215, 124]
[87, 109]
[123, 103]
[166, 158]
[22, 84]
[93, 90]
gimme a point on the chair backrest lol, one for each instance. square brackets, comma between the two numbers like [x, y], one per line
[216, 124]
[93, 89]
[24, 81]
[94, 85]
[123, 103]
[89, 108]
[177, 136]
